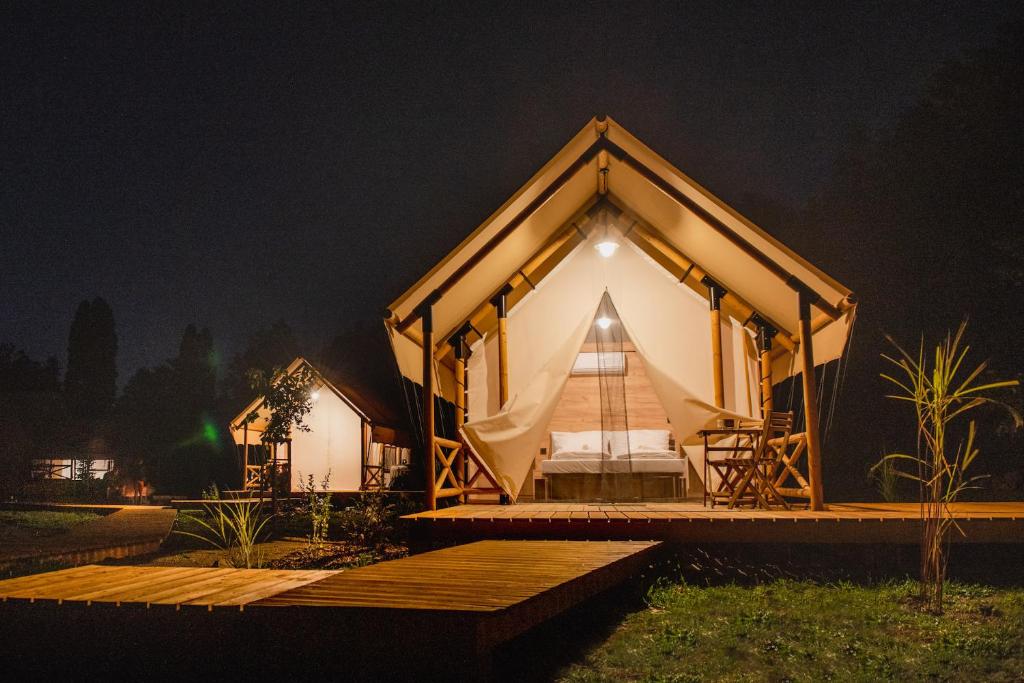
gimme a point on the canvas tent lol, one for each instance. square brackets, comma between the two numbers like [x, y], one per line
[346, 439]
[511, 305]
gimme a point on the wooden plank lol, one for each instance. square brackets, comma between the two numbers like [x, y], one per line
[999, 522]
[487, 575]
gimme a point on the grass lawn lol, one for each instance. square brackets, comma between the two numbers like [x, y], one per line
[41, 522]
[802, 631]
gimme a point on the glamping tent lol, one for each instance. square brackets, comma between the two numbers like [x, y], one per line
[610, 236]
[347, 440]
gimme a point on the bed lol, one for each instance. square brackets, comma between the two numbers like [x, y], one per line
[640, 463]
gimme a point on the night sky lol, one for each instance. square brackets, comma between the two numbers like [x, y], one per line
[230, 167]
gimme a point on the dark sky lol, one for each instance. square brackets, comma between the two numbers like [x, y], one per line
[229, 166]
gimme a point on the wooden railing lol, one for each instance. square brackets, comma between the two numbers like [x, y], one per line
[258, 477]
[789, 481]
[451, 461]
[447, 481]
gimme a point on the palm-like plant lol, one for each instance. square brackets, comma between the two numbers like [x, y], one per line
[234, 526]
[939, 394]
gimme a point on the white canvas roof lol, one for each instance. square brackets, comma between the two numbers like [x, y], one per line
[239, 426]
[686, 215]
[603, 182]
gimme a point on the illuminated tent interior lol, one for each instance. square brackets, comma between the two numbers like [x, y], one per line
[347, 442]
[712, 309]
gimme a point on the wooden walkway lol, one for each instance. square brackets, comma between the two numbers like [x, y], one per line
[462, 601]
[864, 523]
[129, 530]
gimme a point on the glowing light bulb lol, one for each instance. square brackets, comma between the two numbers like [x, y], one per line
[604, 323]
[607, 248]
[315, 396]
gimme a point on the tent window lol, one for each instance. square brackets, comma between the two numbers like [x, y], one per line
[592, 364]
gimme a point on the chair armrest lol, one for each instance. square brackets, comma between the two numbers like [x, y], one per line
[728, 432]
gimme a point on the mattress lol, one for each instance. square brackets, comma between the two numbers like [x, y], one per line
[649, 465]
[579, 455]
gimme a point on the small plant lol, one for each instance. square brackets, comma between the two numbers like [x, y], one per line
[939, 395]
[369, 522]
[233, 527]
[886, 480]
[318, 506]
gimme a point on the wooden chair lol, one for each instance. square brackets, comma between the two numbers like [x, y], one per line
[747, 466]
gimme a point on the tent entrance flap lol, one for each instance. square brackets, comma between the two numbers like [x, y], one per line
[658, 324]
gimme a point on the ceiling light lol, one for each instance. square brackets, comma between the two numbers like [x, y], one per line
[607, 248]
[315, 396]
[604, 323]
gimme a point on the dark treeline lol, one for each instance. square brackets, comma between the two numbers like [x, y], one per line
[923, 220]
[167, 428]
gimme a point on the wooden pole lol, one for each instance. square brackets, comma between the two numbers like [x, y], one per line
[694, 275]
[273, 488]
[505, 232]
[500, 303]
[765, 333]
[458, 343]
[245, 455]
[288, 487]
[363, 452]
[810, 404]
[427, 314]
[715, 294]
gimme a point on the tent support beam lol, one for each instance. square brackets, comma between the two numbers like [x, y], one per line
[810, 404]
[765, 332]
[510, 228]
[245, 455]
[715, 294]
[458, 344]
[427, 316]
[500, 303]
[694, 273]
[572, 233]
[721, 228]
[820, 322]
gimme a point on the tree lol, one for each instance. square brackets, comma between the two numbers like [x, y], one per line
[267, 349]
[90, 382]
[922, 212]
[32, 416]
[168, 427]
[287, 397]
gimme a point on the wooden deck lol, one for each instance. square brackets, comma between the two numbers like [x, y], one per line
[460, 601]
[863, 523]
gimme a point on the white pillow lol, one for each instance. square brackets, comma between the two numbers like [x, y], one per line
[649, 439]
[576, 441]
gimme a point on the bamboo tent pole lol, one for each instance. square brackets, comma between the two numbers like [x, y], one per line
[500, 303]
[458, 344]
[810, 404]
[715, 293]
[573, 233]
[427, 317]
[693, 275]
[245, 455]
[765, 332]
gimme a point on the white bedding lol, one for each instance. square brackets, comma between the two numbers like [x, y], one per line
[579, 455]
[665, 462]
